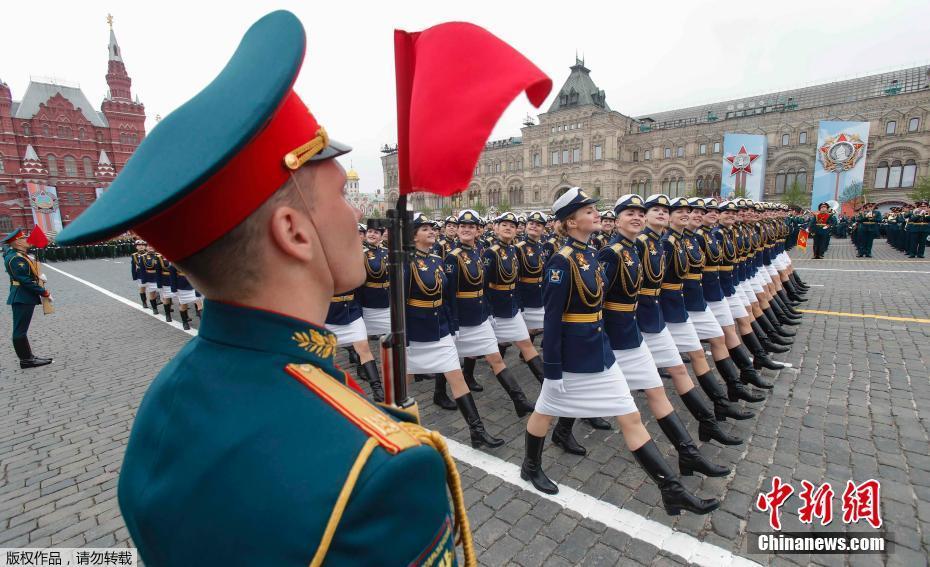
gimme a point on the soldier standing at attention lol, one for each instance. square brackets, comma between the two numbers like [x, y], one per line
[251, 442]
[820, 226]
[917, 228]
[27, 288]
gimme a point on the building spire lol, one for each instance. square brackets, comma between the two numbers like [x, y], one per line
[115, 54]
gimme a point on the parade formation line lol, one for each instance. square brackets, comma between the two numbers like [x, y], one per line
[637, 527]
[866, 316]
[858, 271]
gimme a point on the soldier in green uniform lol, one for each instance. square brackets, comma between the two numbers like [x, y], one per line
[251, 447]
[869, 219]
[27, 288]
[917, 228]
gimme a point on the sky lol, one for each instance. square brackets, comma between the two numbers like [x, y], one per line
[647, 56]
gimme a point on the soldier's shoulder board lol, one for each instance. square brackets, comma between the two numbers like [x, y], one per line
[642, 237]
[375, 423]
[455, 252]
[521, 244]
[566, 251]
[496, 247]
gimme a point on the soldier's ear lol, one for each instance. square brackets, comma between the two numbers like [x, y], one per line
[292, 233]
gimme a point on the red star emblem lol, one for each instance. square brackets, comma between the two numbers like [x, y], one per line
[742, 161]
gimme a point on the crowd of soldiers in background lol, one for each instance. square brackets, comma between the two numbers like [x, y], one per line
[906, 228]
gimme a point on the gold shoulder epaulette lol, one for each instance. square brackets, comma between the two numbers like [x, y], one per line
[455, 252]
[566, 251]
[367, 417]
[436, 256]
[642, 237]
[521, 244]
[616, 247]
[496, 247]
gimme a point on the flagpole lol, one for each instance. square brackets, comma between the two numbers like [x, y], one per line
[393, 345]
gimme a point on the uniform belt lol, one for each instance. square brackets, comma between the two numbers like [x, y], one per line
[649, 291]
[150, 271]
[868, 222]
[711, 268]
[379, 285]
[423, 303]
[726, 268]
[581, 317]
[469, 294]
[343, 298]
[690, 277]
[672, 286]
[614, 306]
[500, 287]
[918, 223]
[531, 280]
[14, 282]
[822, 225]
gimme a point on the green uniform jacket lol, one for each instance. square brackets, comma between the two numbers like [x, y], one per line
[25, 286]
[234, 457]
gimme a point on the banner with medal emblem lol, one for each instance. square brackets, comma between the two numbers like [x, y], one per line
[45, 211]
[839, 166]
[743, 166]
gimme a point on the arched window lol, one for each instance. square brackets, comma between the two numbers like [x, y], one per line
[82, 134]
[515, 195]
[802, 178]
[88, 167]
[2, 167]
[52, 165]
[27, 130]
[881, 175]
[715, 185]
[890, 127]
[45, 129]
[785, 138]
[665, 183]
[894, 175]
[70, 167]
[913, 124]
[681, 151]
[668, 153]
[681, 186]
[647, 155]
[791, 178]
[910, 173]
[780, 182]
[699, 185]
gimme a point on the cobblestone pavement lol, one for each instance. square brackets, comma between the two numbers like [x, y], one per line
[854, 407]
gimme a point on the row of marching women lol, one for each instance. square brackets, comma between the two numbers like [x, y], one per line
[161, 282]
[618, 297]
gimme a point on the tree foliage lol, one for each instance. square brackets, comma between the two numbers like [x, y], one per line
[921, 191]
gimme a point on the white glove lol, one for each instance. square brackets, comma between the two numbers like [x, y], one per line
[43, 278]
[50, 298]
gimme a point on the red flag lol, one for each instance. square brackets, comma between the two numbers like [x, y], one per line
[454, 81]
[38, 238]
[802, 239]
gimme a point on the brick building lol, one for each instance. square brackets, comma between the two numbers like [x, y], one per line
[53, 136]
[581, 141]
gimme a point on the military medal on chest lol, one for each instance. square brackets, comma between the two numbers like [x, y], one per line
[582, 261]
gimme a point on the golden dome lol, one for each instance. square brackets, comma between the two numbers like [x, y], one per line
[351, 175]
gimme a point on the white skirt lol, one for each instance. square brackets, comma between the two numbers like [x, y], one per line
[705, 323]
[779, 262]
[348, 334]
[685, 336]
[435, 357]
[510, 330]
[755, 284]
[737, 310]
[662, 347]
[187, 296]
[638, 367]
[139, 283]
[478, 340]
[595, 394]
[151, 287]
[773, 271]
[377, 321]
[533, 317]
[748, 296]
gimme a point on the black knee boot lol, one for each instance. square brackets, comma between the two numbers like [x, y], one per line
[440, 397]
[736, 390]
[781, 310]
[793, 292]
[144, 298]
[468, 370]
[167, 312]
[185, 320]
[509, 384]
[723, 407]
[479, 437]
[598, 423]
[690, 459]
[747, 371]
[774, 334]
[371, 375]
[760, 351]
[675, 497]
[536, 367]
[563, 437]
[154, 303]
[531, 469]
[708, 427]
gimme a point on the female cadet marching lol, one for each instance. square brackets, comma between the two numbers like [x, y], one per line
[582, 377]
[135, 267]
[344, 319]
[374, 295]
[430, 348]
[532, 260]
[186, 294]
[465, 277]
[501, 273]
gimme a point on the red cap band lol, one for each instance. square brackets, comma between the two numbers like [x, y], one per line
[236, 190]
